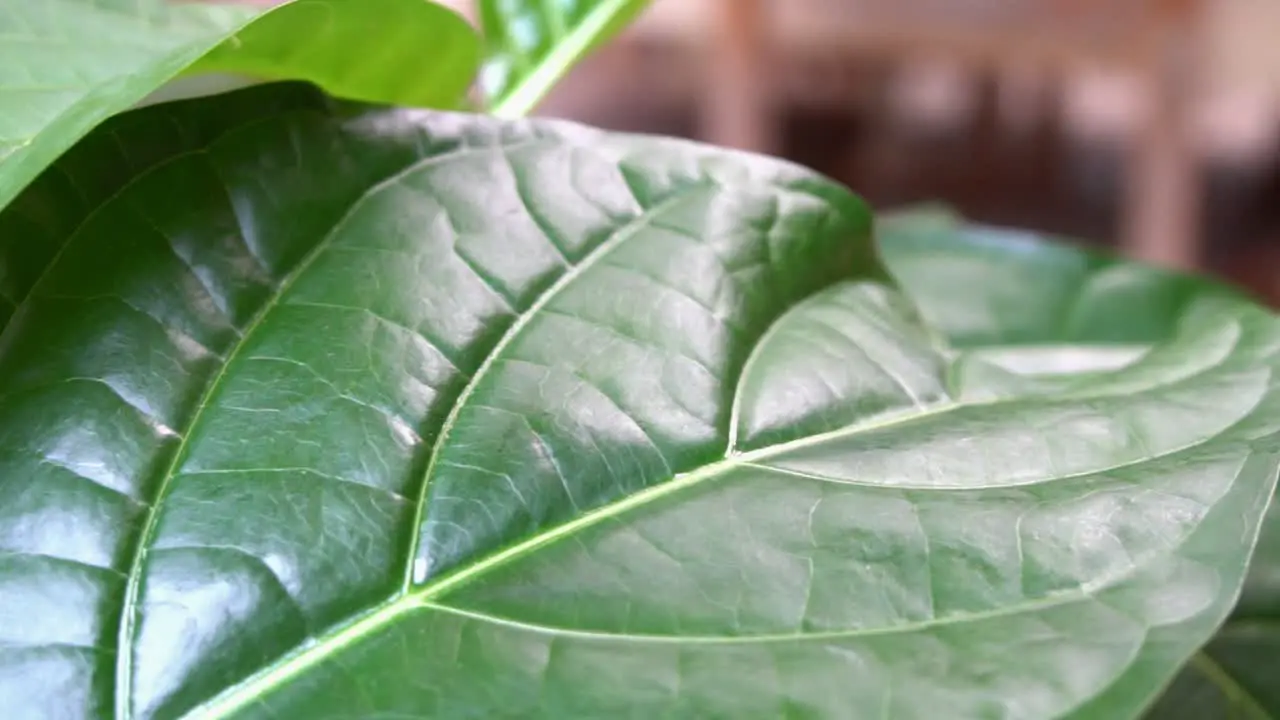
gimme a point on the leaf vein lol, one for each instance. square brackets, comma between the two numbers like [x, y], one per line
[130, 605]
[619, 236]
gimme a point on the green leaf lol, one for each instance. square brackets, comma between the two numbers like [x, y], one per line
[338, 413]
[67, 65]
[1050, 309]
[531, 44]
[993, 287]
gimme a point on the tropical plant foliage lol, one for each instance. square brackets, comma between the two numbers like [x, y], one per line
[313, 407]
[1038, 303]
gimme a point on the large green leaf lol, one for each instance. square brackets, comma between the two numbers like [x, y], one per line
[66, 65]
[337, 413]
[531, 44]
[1053, 308]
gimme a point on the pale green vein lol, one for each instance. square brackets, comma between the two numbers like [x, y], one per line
[1231, 689]
[130, 609]
[1047, 602]
[252, 689]
[238, 697]
[602, 251]
[735, 410]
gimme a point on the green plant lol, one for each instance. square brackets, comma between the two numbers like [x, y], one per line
[1033, 304]
[322, 408]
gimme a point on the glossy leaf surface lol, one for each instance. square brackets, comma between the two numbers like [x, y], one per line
[354, 414]
[531, 44]
[1035, 304]
[67, 65]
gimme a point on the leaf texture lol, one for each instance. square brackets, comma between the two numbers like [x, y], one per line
[1040, 306]
[67, 65]
[531, 44]
[336, 413]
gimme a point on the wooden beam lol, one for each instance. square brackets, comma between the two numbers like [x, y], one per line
[1163, 193]
[736, 105]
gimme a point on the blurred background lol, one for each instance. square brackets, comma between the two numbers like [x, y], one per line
[1147, 126]
[1151, 126]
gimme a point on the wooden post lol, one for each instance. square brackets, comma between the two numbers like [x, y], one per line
[736, 108]
[1163, 193]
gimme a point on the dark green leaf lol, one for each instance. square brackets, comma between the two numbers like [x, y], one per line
[1048, 307]
[67, 65]
[367, 414]
[531, 44]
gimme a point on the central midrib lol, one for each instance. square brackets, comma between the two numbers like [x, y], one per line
[241, 695]
[129, 613]
[294, 664]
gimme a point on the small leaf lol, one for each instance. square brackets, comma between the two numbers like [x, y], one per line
[67, 65]
[1051, 313]
[329, 412]
[531, 44]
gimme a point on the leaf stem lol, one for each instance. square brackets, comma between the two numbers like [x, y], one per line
[563, 56]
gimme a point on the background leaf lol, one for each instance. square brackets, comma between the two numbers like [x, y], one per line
[1036, 305]
[991, 287]
[531, 44]
[67, 65]
[348, 413]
